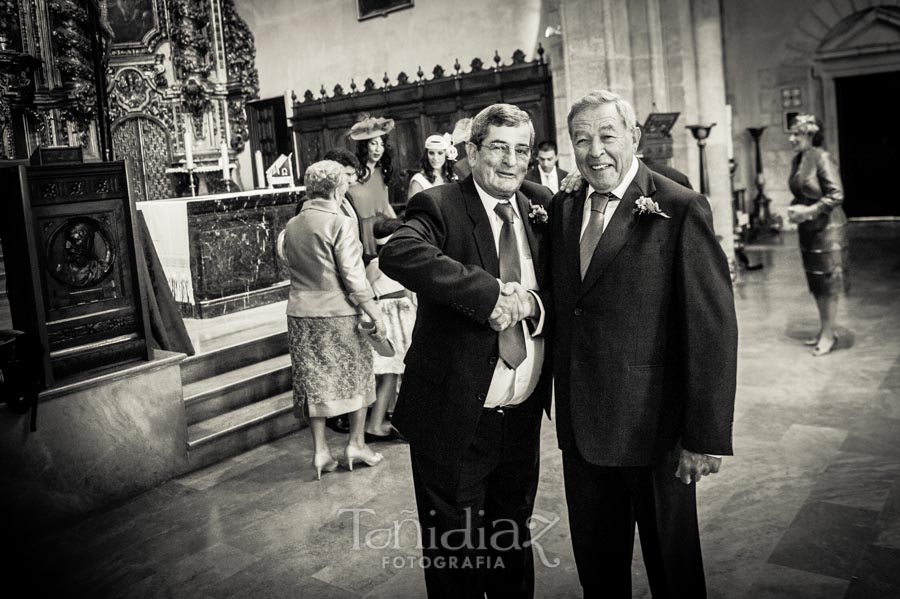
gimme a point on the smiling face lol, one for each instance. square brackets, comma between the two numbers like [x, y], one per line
[499, 176]
[436, 158]
[376, 149]
[604, 147]
[800, 142]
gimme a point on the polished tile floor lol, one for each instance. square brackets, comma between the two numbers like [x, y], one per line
[809, 507]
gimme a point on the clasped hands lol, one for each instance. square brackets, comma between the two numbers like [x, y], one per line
[514, 304]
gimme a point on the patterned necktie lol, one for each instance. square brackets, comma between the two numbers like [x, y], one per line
[594, 228]
[512, 340]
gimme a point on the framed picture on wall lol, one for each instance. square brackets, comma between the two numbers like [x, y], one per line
[367, 9]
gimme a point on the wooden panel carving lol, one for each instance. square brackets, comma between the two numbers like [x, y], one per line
[421, 108]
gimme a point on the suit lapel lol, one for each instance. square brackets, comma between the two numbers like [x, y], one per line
[481, 227]
[623, 223]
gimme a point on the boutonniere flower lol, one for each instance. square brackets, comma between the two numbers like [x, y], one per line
[537, 214]
[645, 205]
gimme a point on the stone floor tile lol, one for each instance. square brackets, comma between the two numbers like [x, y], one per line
[826, 539]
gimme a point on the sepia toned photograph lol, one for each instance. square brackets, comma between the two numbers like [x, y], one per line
[521, 299]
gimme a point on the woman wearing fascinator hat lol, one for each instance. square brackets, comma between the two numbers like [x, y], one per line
[821, 224]
[376, 173]
[437, 164]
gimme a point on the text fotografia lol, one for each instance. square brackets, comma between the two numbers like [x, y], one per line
[504, 536]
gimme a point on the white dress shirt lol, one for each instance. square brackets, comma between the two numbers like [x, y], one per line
[510, 386]
[611, 206]
[550, 179]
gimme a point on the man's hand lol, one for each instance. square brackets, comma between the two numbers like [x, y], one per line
[694, 466]
[571, 183]
[514, 304]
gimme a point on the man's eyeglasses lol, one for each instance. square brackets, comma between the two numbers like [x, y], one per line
[501, 150]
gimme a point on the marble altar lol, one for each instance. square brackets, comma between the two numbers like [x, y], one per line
[218, 251]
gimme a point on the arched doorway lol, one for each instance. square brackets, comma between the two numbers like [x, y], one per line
[859, 65]
[144, 144]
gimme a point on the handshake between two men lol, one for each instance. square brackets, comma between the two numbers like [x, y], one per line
[514, 304]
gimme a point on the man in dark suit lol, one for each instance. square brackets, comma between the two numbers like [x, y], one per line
[644, 357]
[546, 172]
[663, 169]
[475, 384]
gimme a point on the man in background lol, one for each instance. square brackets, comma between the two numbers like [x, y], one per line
[545, 172]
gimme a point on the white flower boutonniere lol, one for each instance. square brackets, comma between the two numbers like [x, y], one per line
[645, 205]
[537, 214]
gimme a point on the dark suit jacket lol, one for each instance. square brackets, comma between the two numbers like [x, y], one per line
[534, 176]
[445, 252]
[672, 173]
[645, 347]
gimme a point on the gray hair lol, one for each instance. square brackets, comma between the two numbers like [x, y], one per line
[322, 178]
[598, 98]
[499, 115]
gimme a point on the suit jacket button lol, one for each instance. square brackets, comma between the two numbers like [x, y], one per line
[482, 397]
[578, 312]
[492, 360]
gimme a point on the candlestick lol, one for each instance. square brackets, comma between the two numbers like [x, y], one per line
[701, 133]
[260, 173]
[226, 170]
[188, 145]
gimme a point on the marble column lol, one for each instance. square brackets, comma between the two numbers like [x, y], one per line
[711, 108]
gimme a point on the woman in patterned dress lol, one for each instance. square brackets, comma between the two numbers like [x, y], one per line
[821, 223]
[332, 362]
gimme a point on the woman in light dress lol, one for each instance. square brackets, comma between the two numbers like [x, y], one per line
[329, 295]
[437, 164]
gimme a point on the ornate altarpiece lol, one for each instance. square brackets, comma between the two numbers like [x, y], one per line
[202, 79]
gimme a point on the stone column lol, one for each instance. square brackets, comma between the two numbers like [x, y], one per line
[707, 27]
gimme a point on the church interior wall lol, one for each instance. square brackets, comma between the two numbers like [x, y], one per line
[305, 45]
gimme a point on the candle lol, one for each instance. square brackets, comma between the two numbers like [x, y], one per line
[188, 146]
[226, 171]
[260, 173]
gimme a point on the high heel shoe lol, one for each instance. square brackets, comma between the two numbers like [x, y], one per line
[324, 463]
[822, 351]
[366, 456]
[812, 341]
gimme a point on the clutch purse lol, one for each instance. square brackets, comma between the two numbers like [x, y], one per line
[384, 346]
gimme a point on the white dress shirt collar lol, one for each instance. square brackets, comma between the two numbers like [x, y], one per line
[490, 202]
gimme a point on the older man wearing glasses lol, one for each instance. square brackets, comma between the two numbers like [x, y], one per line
[475, 383]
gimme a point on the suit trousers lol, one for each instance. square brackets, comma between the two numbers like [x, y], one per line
[604, 505]
[474, 513]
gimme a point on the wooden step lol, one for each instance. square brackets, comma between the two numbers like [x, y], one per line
[239, 355]
[237, 388]
[240, 430]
